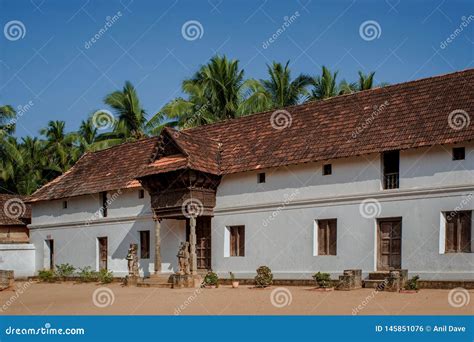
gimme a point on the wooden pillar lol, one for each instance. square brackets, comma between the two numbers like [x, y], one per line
[157, 244]
[192, 243]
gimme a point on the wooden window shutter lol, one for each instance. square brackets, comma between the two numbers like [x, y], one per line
[232, 241]
[241, 241]
[451, 234]
[465, 232]
[322, 237]
[332, 237]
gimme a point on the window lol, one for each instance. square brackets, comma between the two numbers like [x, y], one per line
[459, 153]
[237, 240]
[141, 193]
[458, 231]
[64, 204]
[327, 237]
[145, 244]
[391, 168]
[327, 169]
[261, 177]
[103, 208]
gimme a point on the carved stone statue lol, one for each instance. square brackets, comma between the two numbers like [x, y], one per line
[132, 257]
[183, 258]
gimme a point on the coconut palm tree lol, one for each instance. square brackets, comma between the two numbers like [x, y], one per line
[7, 119]
[324, 86]
[131, 116]
[60, 147]
[214, 93]
[278, 91]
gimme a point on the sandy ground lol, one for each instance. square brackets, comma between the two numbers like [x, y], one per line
[92, 299]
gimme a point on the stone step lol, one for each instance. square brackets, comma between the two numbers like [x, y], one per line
[379, 275]
[155, 285]
[373, 284]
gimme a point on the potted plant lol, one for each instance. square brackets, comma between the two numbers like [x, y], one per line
[211, 280]
[323, 280]
[235, 283]
[411, 285]
[264, 277]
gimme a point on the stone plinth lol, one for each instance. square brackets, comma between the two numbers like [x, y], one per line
[180, 281]
[131, 280]
[393, 282]
[6, 279]
[350, 280]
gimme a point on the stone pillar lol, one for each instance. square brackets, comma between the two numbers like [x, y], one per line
[192, 245]
[157, 245]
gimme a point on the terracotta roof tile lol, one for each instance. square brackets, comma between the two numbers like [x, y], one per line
[401, 116]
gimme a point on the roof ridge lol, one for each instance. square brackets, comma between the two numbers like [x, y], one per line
[325, 101]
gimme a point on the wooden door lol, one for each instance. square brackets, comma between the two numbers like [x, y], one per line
[203, 241]
[389, 244]
[50, 244]
[102, 253]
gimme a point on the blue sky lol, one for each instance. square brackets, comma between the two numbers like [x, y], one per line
[51, 66]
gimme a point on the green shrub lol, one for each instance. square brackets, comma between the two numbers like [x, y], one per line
[47, 276]
[264, 277]
[86, 274]
[211, 279]
[64, 270]
[322, 279]
[105, 276]
[412, 284]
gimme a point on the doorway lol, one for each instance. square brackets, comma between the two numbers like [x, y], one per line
[203, 241]
[49, 254]
[102, 253]
[389, 244]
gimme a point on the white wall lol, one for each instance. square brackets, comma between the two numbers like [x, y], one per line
[18, 257]
[279, 215]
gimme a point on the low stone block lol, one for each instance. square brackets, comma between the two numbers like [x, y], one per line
[7, 279]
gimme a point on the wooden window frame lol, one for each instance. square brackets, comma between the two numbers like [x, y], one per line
[327, 237]
[327, 169]
[104, 205]
[141, 193]
[237, 241]
[145, 244]
[65, 204]
[459, 239]
[459, 153]
[261, 178]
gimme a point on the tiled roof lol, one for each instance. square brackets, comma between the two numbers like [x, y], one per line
[14, 211]
[414, 114]
[110, 169]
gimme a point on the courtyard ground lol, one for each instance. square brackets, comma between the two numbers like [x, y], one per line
[92, 299]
